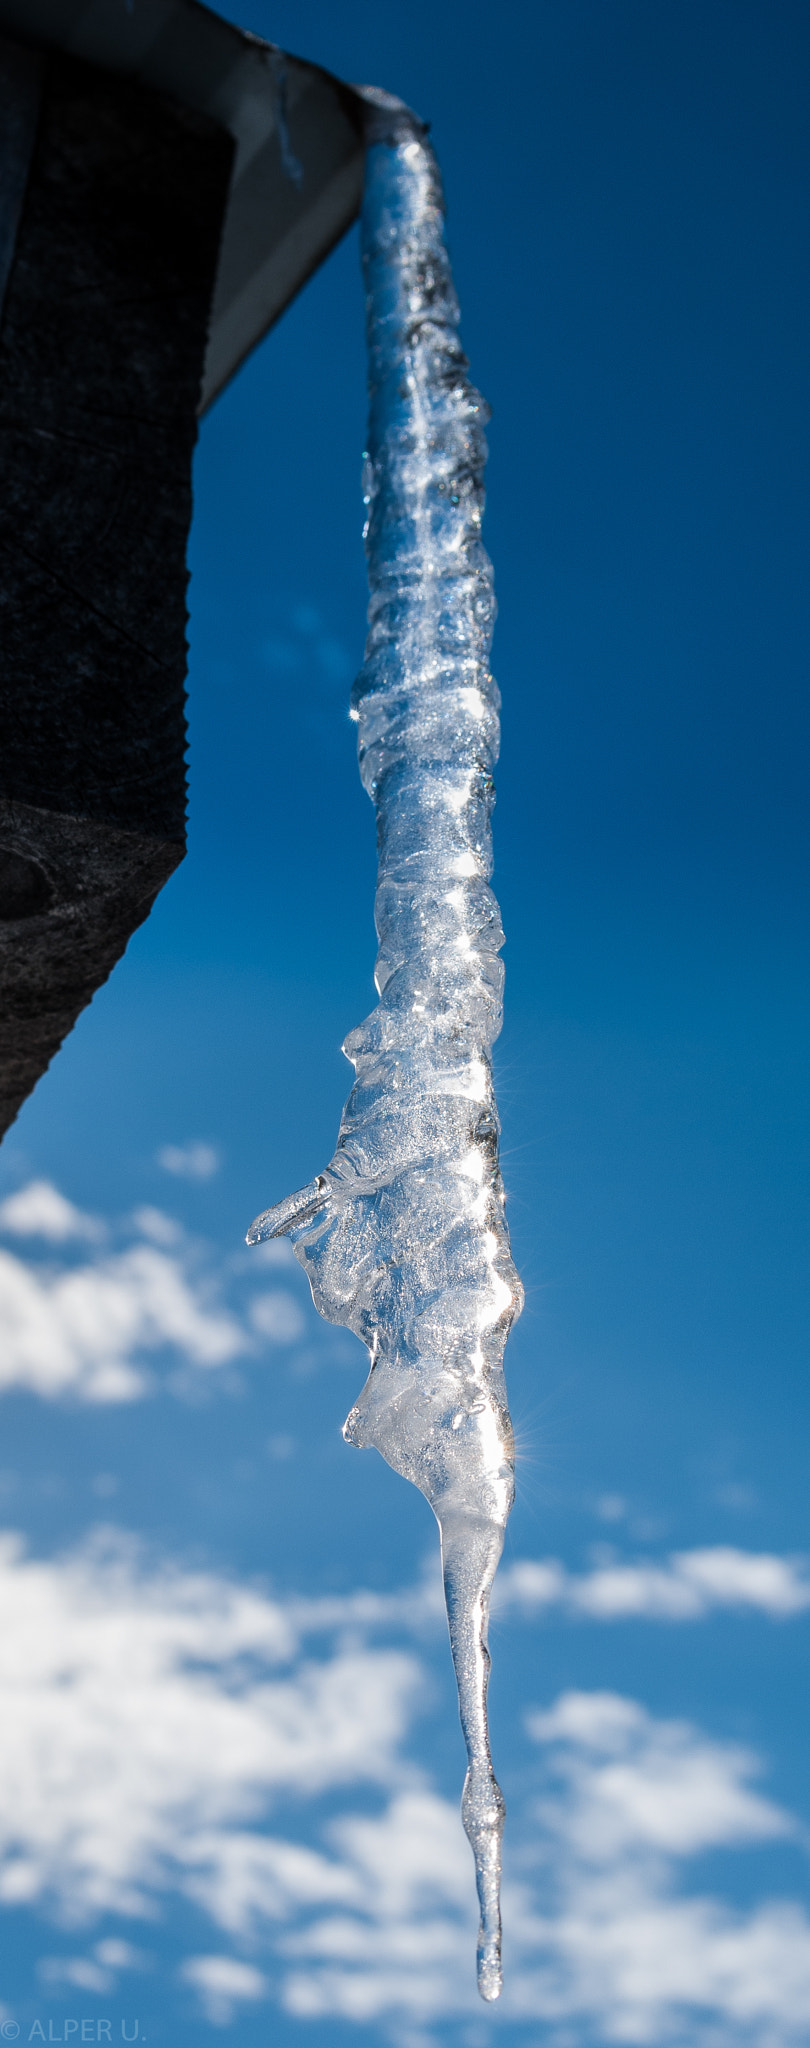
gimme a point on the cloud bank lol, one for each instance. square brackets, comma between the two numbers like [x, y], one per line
[162, 1731]
[174, 1738]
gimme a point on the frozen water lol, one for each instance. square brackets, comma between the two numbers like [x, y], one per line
[403, 1236]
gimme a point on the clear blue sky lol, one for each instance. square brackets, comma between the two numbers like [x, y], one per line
[627, 188]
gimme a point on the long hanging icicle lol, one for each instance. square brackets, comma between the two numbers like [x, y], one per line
[403, 1236]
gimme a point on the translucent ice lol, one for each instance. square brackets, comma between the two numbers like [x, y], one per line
[403, 1235]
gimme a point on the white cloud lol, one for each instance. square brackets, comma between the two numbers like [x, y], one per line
[611, 1507]
[223, 1984]
[277, 1316]
[601, 1946]
[85, 1326]
[619, 1951]
[120, 1955]
[97, 1971]
[686, 1586]
[39, 1210]
[725, 1577]
[281, 1447]
[155, 1225]
[196, 1161]
[82, 1331]
[650, 1784]
[403, 1945]
[144, 1721]
[82, 1973]
[152, 1723]
[275, 1251]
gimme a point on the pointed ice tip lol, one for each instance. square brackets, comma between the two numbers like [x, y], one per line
[287, 1215]
[490, 1976]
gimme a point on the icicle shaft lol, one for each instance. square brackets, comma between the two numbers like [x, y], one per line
[404, 1236]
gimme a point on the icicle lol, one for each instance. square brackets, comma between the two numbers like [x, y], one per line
[403, 1237]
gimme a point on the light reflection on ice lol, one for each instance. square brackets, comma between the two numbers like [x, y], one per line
[403, 1236]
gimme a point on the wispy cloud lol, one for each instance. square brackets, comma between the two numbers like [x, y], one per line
[195, 1161]
[87, 1319]
[277, 1315]
[223, 1984]
[621, 1952]
[147, 1717]
[634, 1782]
[157, 1724]
[179, 1736]
[40, 1210]
[97, 1971]
[80, 1332]
[683, 1587]
[603, 1943]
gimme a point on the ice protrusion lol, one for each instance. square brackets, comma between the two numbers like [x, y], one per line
[404, 1237]
[291, 1213]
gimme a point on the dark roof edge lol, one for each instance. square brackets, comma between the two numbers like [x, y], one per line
[299, 133]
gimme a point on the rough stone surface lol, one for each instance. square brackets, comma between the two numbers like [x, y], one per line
[86, 886]
[102, 345]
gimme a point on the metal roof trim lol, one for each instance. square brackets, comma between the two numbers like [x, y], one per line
[298, 169]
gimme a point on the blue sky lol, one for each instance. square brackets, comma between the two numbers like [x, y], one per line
[233, 1758]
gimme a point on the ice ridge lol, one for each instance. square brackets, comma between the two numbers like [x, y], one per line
[403, 1236]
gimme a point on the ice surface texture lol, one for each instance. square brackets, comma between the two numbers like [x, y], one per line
[403, 1236]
